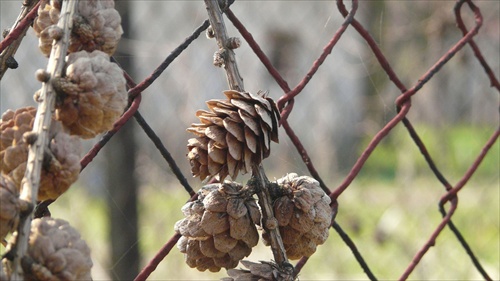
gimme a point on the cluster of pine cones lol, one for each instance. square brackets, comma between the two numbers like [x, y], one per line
[221, 227]
[234, 135]
[90, 96]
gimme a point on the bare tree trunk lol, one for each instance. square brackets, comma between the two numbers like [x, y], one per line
[122, 184]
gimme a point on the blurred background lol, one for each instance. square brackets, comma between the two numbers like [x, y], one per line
[127, 200]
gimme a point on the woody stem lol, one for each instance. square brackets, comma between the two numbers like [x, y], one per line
[235, 82]
[41, 126]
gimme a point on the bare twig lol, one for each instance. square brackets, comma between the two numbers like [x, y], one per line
[215, 16]
[235, 82]
[43, 118]
[269, 222]
[17, 33]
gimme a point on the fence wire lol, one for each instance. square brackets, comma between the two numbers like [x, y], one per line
[448, 203]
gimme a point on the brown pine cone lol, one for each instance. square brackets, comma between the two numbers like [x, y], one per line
[263, 271]
[61, 162]
[92, 95]
[13, 149]
[48, 16]
[234, 135]
[10, 206]
[96, 26]
[304, 215]
[56, 252]
[219, 229]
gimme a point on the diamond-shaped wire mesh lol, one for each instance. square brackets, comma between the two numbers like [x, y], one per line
[398, 82]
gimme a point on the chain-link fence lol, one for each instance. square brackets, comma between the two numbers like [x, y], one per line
[339, 78]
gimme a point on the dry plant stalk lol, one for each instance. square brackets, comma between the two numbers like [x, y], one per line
[225, 57]
[30, 184]
[225, 53]
[7, 56]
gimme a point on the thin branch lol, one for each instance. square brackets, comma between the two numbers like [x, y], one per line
[269, 222]
[16, 34]
[41, 126]
[92, 153]
[235, 82]
[232, 73]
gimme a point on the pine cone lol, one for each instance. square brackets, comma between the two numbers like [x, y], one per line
[48, 16]
[96, 26]
[61, 162]
[13, 148]
[56, 252]
[92, 96]
[10, 206]
[219, 229]
[263, 271]
[303, 213]
[234, 135]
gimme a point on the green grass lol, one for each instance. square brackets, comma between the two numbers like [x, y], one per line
[453, 150]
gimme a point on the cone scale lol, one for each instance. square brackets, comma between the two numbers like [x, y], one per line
[232, 135]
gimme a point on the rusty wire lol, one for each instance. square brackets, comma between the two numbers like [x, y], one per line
[403, 103]
[18, 30]
[286, 104]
